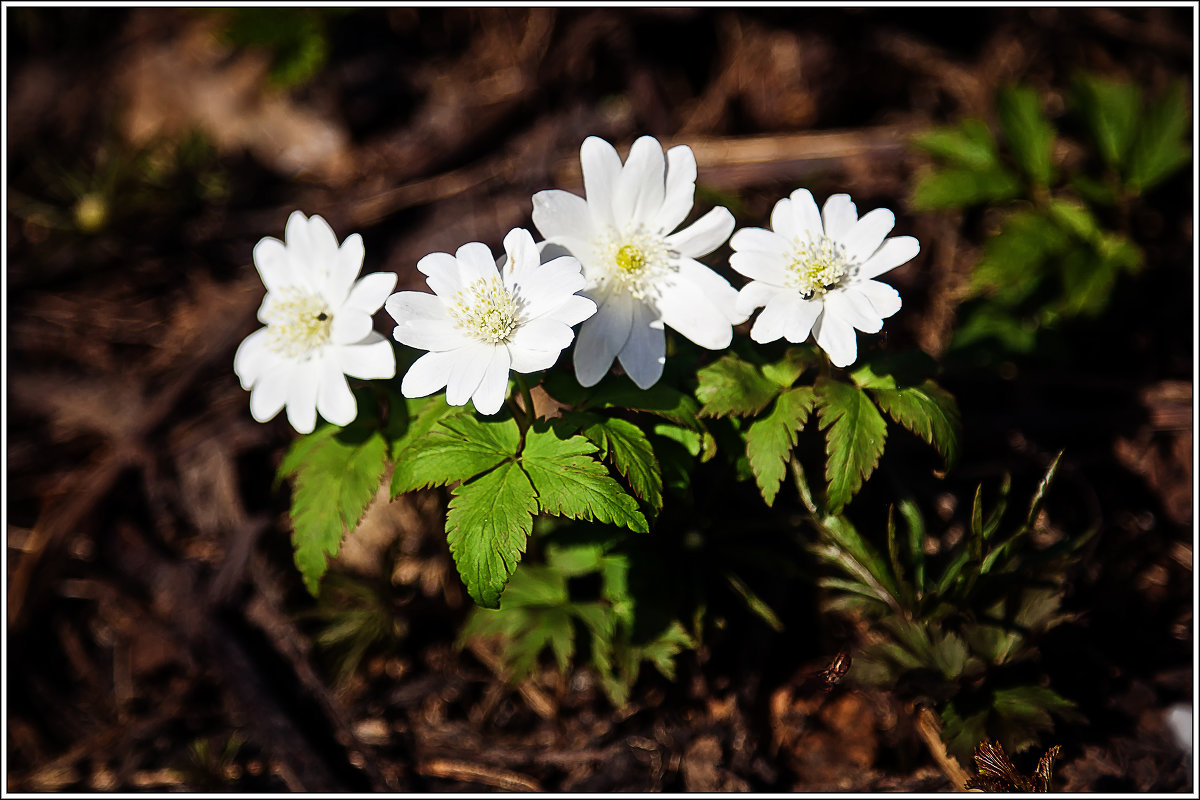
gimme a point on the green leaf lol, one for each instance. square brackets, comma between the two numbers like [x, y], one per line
[571, 483]
[337, 472]
[624, 446]
[488, 522]
[660, 399]
[456, 449]
[916, 543]
[1160, 147]
[795, 361]
[754, 602]
[1011, 267]
[845, 548]
[770, 439]
[733, 387]
[1112, 109]
[970, 145]
[961, 188]
[927, 410]
[854, 438]
[1028, 132]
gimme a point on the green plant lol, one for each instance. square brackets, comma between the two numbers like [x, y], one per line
[1062, 232]
[960, 630]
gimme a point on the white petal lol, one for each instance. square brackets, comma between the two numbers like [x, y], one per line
[371, 359]
[335, 401]
[489, 396]
[760, 240]
[475, 262]
[680, 189]
[713, 286]
[638, 192]
[525, 361]
[466, 372]
[349, 326]
[370, 292]
[854, 308]
[574, 310]
[601, 337]
[299, 245]
[891, 254]
[558, 214]
[755, 295]
[302, 397]
[547, 287]
[760, 266]
[273, 264]
[253, 358]
[883, 298]
[836, 338]
[807, 218]
[329, 277]
[427, 374]
[769, 325]
[270, 392]
[783, 220]
[686, 307]
[867, 234]
[839, 216]
[542, 334]
[344, 269]
[601, 167]
[704, 235]
[422, 322]
[799, 322]
[442, 273]
[644, 353]
[523, 256]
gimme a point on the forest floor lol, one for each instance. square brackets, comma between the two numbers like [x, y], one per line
[159, 637]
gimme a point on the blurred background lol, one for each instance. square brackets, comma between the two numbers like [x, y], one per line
[158, 635]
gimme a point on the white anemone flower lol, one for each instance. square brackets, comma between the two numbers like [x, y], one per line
[815, 272]
[318, 326]
[483, 320]
[641, 275]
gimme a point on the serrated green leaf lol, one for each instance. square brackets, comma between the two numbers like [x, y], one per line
[770, 439]
[660, 399]
[1028, 132]
[1011, 267]
[571, 483]
[733, 387]
[1112, 109]
[845, 548]
[488, 522]
[455, 449]
[623, 445]
[962, 188]
[854, 439]
[795, 361]
[927, 410]
[970, 145]
[1160, 146]
[336, 475]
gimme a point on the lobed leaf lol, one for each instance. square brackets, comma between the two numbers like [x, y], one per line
[488, 522]
[1160, 146]
[624, 445]
[970, 145]
[337, 472]
[1028, 132]
[854, 439]
[770, 439]
[571, 483]
[455, 449]
[733, 387]
[1111, 109]
[927, 410]
[962, 187]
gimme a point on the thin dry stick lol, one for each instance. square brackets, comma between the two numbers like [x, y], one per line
[479, 773]
[930, 729]
[536, 699]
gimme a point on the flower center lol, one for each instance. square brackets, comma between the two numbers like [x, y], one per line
[636, 261]
[817, 266]
[298, 322]
[487, 311]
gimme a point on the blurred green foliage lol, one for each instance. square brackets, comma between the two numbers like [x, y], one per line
[1063, 233]
[958, 630]
[296, 38]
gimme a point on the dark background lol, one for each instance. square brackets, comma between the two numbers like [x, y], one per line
[158, 636]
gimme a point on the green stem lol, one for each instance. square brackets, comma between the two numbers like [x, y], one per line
[526, 399]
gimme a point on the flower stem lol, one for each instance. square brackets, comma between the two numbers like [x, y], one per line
[526, 398]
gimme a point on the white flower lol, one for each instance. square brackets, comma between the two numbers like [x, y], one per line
[481, 320]
[815, 272]
[318, 326]
[640, 274]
